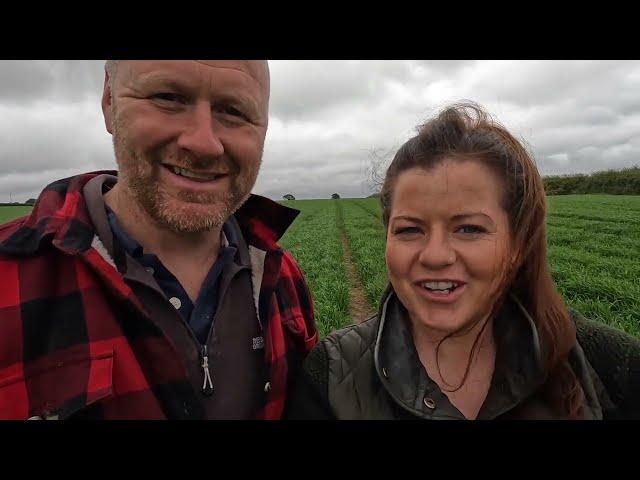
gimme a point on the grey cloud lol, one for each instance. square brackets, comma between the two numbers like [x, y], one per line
[26, 81]
[449, 67]
[531, 83]
[21, 187]
[52, 137]
[301, 88]
[328, 117]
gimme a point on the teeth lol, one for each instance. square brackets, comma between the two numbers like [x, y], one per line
[439, 285]
[189, 174]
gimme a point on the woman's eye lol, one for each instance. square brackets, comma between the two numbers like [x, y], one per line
[470, 229]
[407, 230]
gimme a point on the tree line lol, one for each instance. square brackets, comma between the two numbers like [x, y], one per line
[616, 182]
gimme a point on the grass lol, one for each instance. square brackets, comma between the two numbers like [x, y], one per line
[8, 213]
[365, 234]
[314, 242]
[594, 254]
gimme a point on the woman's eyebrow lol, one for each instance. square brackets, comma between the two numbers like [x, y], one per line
[467, 215]
[470, 214]
[407, 217]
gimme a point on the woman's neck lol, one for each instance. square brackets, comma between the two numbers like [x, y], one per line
[448, 364]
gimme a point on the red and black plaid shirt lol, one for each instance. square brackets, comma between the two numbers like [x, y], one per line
[74, 338]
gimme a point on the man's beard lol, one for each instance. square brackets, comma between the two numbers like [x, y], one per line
[182, 211]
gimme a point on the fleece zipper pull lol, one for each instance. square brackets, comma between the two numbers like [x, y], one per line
[207, 385]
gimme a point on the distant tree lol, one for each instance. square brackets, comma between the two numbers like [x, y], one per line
[335, 196]
[288, 196]
[31, 201]
[615, 182]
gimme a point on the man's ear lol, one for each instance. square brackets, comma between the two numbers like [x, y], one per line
[107, 103]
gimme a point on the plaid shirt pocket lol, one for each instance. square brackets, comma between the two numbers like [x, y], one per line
[56, 391]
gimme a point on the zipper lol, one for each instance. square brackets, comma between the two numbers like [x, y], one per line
[207, 385]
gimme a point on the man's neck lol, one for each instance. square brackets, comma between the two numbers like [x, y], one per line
[189, 256]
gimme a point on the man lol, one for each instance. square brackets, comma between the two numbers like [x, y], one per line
[158, 291]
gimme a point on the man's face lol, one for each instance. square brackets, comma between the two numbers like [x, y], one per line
[188, 137]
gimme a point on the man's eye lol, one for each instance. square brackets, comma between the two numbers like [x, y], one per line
[234, 112]
[168, 97]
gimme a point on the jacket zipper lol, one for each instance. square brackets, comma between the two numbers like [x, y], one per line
[207, 385]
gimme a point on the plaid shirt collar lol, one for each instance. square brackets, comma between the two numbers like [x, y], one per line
[60, 216]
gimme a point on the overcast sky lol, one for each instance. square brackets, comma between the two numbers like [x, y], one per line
[329, 118]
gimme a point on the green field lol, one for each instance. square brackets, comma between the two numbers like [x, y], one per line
[9, 213]
[594, 254]
[315, 243]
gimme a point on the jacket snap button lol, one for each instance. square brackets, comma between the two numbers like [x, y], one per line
[429, 403]
[175, 301]
[384, 372]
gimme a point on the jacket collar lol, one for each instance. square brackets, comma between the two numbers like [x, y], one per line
[518, 372]
[263, 221]
[59, 217]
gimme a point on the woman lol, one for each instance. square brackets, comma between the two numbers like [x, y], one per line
[471, 325]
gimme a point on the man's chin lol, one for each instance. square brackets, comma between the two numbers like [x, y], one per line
[186, 217]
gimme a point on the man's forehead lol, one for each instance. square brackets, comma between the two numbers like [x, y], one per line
[258, 70]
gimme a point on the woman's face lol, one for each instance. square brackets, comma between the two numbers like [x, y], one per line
[447, 243]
